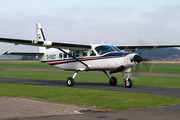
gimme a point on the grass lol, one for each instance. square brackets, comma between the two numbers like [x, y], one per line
[23, 64]
[161, 68]
[158, 70]
[99, 98]
[155, 81]
[144, 67]
[92, 78]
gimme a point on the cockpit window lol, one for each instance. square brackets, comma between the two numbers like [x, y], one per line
[117, 49]
[105, 49]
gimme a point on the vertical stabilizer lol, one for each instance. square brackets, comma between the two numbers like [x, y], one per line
[40, 36]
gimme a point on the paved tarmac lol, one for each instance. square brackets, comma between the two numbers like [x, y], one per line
[161, 113]
[164, 113]
[170, 92]
[21, 107]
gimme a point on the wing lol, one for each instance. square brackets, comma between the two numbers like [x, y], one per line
[47, 44]
[71, 46]
[145, 47]
[22, 53]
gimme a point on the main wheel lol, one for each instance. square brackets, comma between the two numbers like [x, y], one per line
[113, 81]
[128, 83]
[70, 81]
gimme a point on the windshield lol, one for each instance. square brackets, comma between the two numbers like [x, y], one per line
[105, 49]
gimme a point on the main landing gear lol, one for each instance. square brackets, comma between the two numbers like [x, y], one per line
[112, 80]
[70, 80]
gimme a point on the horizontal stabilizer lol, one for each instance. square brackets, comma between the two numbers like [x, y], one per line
[22, 53]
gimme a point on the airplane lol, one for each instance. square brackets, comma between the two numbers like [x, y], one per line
[83, 57]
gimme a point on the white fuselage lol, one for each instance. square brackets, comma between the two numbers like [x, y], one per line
[108, 61]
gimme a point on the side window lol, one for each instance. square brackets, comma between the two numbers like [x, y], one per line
[84, 53]
[71, 53]
[92, 53]
[76, 53]
[60, 55]
[65, 55]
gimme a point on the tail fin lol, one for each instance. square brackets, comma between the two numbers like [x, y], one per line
[40, 37]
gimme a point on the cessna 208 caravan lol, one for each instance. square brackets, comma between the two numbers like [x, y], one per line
[81, 57]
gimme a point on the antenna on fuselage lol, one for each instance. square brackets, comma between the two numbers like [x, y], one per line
[102, 42]
[90, 42]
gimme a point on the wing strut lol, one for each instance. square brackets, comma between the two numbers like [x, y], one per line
[74, 57]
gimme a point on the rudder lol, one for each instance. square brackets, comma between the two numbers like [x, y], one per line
[40, 36]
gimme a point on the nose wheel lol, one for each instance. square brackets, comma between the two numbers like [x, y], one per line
[127, 80]
[128, 83]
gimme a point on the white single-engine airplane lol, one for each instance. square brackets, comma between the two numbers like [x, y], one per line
[85, 57]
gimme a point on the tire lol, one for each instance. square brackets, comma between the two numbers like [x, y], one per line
[70, 81]
[113, 81]
[128, 83]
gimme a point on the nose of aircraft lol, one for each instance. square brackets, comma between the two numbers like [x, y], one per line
[137, 59]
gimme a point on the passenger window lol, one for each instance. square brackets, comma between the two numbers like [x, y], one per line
[76, 53]
[92, 53]
[71, 53]
[84, 53]
[60, 55]
[65, 55]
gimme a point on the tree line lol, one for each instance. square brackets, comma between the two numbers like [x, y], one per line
[159, 52]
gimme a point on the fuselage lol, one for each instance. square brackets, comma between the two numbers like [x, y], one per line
[99, 57]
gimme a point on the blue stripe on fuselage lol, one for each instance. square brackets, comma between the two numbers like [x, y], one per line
[116, 54]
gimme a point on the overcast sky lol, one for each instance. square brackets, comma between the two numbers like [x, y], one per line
[117, 22]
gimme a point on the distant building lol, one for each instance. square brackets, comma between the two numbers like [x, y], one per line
[176, 57]
[169, 59]
[156, 58]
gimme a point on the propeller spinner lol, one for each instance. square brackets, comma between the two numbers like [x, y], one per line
[137, 59]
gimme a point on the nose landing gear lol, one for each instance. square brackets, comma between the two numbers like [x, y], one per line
[127, 79]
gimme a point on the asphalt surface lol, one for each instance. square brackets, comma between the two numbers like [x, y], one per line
[20, 107]
[170, 92]
[164, 113]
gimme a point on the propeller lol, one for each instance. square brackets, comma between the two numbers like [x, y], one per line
[137, 59]
[140, 52]
[147, 66]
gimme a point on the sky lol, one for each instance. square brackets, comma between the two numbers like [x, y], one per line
[116, 22]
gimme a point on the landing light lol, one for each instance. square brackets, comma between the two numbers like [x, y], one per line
[35, 42]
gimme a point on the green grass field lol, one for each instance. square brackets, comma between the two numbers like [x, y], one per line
[161, 68]
[99, 98]
[89, 77]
